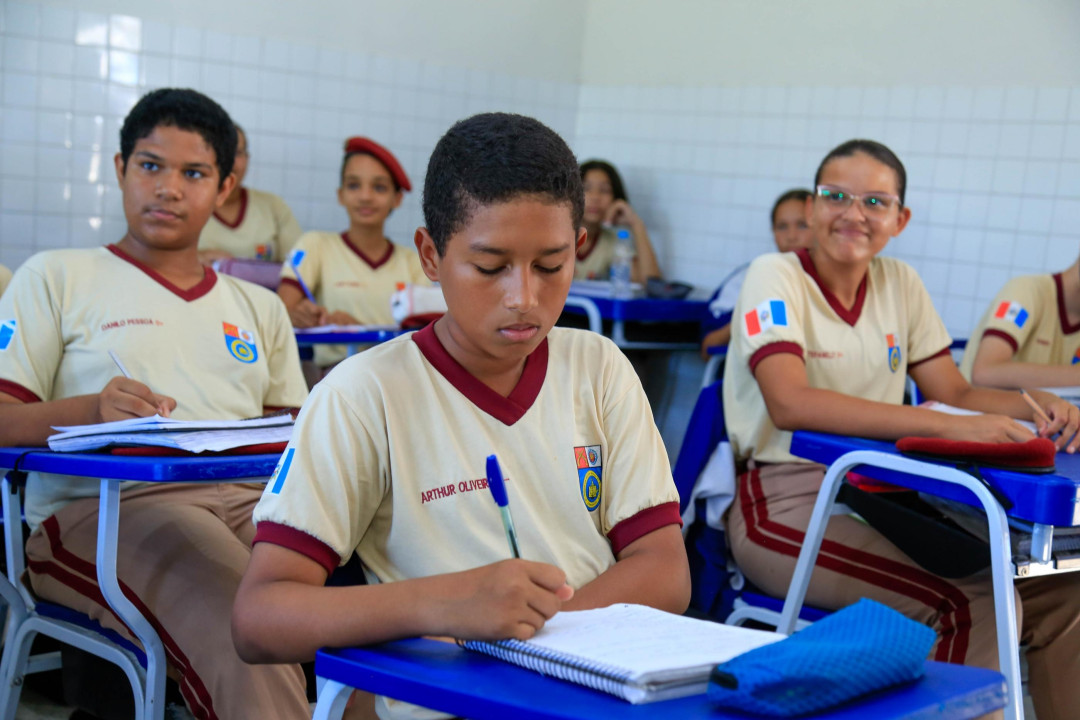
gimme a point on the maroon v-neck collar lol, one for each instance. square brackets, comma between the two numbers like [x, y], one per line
[1063, 316]
[240, 216]
[849, 316]
[193, 293]
[373, 264]
[507, 410]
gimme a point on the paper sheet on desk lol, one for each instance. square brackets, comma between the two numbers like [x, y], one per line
[950, 410]
[158, 431]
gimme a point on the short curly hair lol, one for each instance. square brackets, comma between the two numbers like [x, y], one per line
[493, 158]
[185, 110]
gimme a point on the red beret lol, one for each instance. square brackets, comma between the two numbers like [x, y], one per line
[366, 145]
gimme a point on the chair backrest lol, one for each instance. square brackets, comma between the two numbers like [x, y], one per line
[260, 272]
[705, 431]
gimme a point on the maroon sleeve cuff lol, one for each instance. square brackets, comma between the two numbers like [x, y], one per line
[298, 541]
[18, 391]
[772, 349]
[642, 524]
[944, 352]
[1004, 336]
[295, 283]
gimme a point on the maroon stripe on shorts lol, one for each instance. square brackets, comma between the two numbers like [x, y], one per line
[882, 572]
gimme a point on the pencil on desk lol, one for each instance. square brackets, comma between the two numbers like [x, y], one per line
[1039, 412]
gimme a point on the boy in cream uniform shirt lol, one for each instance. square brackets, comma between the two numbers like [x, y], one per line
[1030, 316]
[198, 346]
[389, 453]
[263, 227]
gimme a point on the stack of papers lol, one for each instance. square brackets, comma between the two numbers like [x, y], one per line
[191, 435]
[601, 288]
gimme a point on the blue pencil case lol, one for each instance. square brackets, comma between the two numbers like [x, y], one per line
[855, 651]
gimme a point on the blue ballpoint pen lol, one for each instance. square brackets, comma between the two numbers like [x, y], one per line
[498, 492]
[296, 256]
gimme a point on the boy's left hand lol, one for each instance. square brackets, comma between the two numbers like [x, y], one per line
[1064, 421]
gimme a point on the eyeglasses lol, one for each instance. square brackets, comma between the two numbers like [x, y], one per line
[873, 204]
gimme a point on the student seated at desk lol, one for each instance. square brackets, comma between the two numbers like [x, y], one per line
[250, 223]
[823, 340]
[353, 274]
[606, 207]
[1030, 335]
[388, 456]
[198, 346]
[790, 232]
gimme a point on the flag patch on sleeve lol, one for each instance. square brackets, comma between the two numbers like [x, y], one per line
[7, 333]
[771, 313]
[1012, 311]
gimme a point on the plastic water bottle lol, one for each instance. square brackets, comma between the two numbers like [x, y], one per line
[620, 265]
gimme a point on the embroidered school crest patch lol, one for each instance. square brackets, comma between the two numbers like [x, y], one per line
[894, 353]
[241, 343]
[1013, 312]
[264, 252]
[7, 333]
[771, 313]
[589, 474]
[1075, 358]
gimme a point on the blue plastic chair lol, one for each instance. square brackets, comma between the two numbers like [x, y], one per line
[718, 589]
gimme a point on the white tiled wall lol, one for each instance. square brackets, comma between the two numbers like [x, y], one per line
[67, 79]
[993, 173]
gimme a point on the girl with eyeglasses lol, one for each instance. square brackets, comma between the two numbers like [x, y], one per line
[607, 207]
[823, 339]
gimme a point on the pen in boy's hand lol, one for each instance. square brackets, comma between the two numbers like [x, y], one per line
[1039, 412]
[498, 492]
[119, 365]
[162, 409]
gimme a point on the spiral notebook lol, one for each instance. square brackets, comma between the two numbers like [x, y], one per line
[635, 652]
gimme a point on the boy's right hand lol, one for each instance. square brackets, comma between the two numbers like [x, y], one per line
[508, 599]
[306, 314]
[985, 428]
[124, 398]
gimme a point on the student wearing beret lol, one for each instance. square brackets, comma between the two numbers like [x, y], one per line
[352, 274]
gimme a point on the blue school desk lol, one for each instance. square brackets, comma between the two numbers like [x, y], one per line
[1040, 501]
[443, 676]
[109, 471]
[642, 309]
[351, 339]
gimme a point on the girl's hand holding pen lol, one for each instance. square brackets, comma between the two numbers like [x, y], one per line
[1058, 417]
[125, 398]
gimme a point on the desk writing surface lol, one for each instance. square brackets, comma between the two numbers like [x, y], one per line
[363, 337]
[1051, 499]
[153, 469]
[646, 309]
[477, 686]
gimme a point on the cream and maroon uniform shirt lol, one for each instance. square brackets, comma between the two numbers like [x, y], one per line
[1029, 314]
[865, 351]
[388, 459]
[223, 349]
[265, 229]
[596, 263]
[343, 278]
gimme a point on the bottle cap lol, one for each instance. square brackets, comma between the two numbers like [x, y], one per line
[622, 234]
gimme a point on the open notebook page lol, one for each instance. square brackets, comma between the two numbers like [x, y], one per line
[645, 641]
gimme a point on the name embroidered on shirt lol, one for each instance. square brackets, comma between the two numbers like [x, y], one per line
[129, 322]
[771, 313]
[1012, 311]
[450, 489]
[824, 354]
